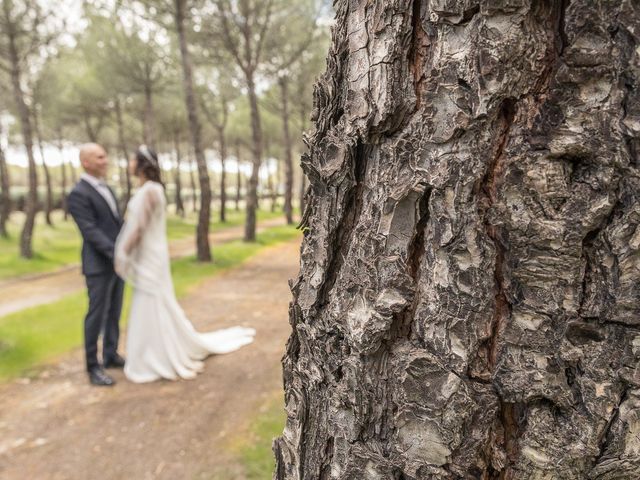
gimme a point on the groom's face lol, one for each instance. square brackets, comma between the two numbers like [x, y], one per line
[95, 161]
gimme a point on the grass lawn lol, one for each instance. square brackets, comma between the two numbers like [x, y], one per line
[58, 246]
[36, 335]
[254, 451]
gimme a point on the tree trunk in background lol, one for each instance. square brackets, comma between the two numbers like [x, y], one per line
[270, 185]
[256, 150]
[202, 233]
[148, 130]
[223, 175]
[468, 304]
[288, 152]
[238, 176]
[31, 204]
[48, 208]
[178, 181]
[63, 170]
[74, 173]
[193, 184]
[5, 192]
[122, 144]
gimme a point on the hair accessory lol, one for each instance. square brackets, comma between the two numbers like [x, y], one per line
[146, 153]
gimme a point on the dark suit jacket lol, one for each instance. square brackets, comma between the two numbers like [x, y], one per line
[98, 225]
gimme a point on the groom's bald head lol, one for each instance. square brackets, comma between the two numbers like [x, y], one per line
[94, 160]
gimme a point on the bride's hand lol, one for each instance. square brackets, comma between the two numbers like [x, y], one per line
[120, 264]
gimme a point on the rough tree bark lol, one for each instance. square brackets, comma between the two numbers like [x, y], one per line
[5, 192]
[468, 304]
[303, 177]
[203, 252]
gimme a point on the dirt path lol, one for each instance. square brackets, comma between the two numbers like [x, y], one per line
[18, 294]
[59, 427]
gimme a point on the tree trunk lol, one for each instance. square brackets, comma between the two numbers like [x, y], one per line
[270, 186]
[63, 170]
[238, 176]
[5, 192]
[256, 150]
[31, 204]
[148, 130]
[303, 191]
[122, 144]
[45, 168]
[288, 152]
[303, 176]
[193, 184]
[223, 175]
[202, 234]
[179, 203]
[468, 304]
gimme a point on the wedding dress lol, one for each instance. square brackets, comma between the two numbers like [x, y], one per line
[161, 342]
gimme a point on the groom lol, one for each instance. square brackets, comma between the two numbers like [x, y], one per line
[95, 209]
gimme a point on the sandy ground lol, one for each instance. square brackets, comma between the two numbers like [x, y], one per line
[59, 427]
[25, 292]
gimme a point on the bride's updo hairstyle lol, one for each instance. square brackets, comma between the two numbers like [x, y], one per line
[147, 164]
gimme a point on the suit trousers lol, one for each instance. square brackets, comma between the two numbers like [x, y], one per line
[105, 305]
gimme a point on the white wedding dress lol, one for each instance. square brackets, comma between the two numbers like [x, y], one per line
[161, 342]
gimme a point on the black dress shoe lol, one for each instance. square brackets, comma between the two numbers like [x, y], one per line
[114, 362]
[98, 377]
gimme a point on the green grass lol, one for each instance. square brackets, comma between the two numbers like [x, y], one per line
[36, 335]
[58, 246]
[54, 247]
[254, 451]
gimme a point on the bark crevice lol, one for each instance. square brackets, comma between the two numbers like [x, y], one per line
[343, 236]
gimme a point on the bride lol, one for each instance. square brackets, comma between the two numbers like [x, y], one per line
[161, 342]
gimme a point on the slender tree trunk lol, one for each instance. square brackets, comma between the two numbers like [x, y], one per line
[5, 191]
[202, 233]
[31, 204]
[177, 178]
[256, 150]
[468, 304]
[92, 131]
[278, 179]
[288, 152]
[270, 185]
[192, 168]
[63, 170]
[148, 130]
[238, 176]
[48, 208]
[223, 175]
[122, 144]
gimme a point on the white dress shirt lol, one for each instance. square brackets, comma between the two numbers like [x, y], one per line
[101, 187]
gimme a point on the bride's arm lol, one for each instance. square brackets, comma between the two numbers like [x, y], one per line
[150, 203]
[135, 226]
